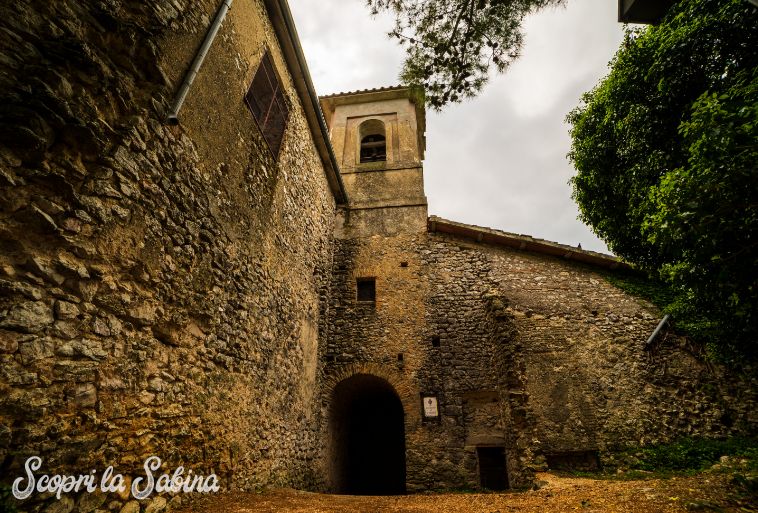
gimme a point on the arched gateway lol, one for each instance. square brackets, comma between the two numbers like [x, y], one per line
[367, 437]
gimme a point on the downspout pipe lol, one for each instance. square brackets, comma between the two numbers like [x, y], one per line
[173, 115]
[658, 329]
[289, 24]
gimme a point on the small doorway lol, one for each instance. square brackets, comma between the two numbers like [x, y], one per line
[367, 436]
[492, 471]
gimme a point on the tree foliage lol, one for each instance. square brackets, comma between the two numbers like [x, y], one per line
[451, 45]
[666, 148]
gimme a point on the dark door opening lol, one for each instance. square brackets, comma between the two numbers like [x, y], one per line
[367, 438]
[492, 472]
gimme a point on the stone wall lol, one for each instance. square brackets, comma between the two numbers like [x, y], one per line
[536, 354]
[160, 284]
[426, 289]
[178, 291]
[593, 384]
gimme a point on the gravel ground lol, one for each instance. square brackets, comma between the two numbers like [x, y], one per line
[705, 492]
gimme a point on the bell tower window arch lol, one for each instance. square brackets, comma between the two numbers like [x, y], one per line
[373, 141]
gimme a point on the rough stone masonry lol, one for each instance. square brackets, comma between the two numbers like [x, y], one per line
[161, 285]
[182, 290]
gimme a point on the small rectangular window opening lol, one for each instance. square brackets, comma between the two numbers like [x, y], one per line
[435, 341]
[399, 357]
[403, 264]
[366, 290]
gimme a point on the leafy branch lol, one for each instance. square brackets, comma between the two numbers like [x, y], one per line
[453, 45]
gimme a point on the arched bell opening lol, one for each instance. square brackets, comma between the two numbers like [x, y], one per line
[373, 141]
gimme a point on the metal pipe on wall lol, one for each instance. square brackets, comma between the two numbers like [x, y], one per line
[658, 329]
[173, 115]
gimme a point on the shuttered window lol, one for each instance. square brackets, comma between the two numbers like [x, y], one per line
[266, 101]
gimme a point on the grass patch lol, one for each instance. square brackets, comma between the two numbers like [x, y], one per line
[628, 475]
[694, 454]
[683, 457]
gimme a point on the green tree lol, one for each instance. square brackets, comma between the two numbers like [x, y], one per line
[666, 149]
[451, 45]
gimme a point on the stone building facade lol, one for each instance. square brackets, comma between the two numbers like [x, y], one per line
[289, 317]
[533, 357]
[161, 284]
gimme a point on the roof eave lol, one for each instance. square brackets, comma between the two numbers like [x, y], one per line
[284, 26]
[524, 243]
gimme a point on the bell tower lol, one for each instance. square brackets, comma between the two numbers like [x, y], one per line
[378, 140]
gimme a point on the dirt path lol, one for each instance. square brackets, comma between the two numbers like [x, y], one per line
[706, 492]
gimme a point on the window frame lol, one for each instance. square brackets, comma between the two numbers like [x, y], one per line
[265, 98]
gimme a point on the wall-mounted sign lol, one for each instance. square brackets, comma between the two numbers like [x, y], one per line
[430, 407]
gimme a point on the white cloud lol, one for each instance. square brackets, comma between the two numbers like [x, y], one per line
[499, 160]
[346, 48]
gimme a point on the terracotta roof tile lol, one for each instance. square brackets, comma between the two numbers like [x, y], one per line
[364, 91]
[524, 243]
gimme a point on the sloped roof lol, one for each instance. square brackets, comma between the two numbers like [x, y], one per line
[365, 91]
[524, 243]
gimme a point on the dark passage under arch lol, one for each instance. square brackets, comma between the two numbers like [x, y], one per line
[367, 432]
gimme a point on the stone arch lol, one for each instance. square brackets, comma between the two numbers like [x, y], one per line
[372, 140]
[366, 435]
[408, 395]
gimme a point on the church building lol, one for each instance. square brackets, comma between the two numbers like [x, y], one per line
[202, 259]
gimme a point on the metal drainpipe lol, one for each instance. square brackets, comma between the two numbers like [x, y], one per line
[173, 115]
[289, 25]
[657, 330]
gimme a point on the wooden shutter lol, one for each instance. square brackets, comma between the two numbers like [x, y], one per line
[266, 102]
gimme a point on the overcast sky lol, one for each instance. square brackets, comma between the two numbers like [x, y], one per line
[499, 160]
